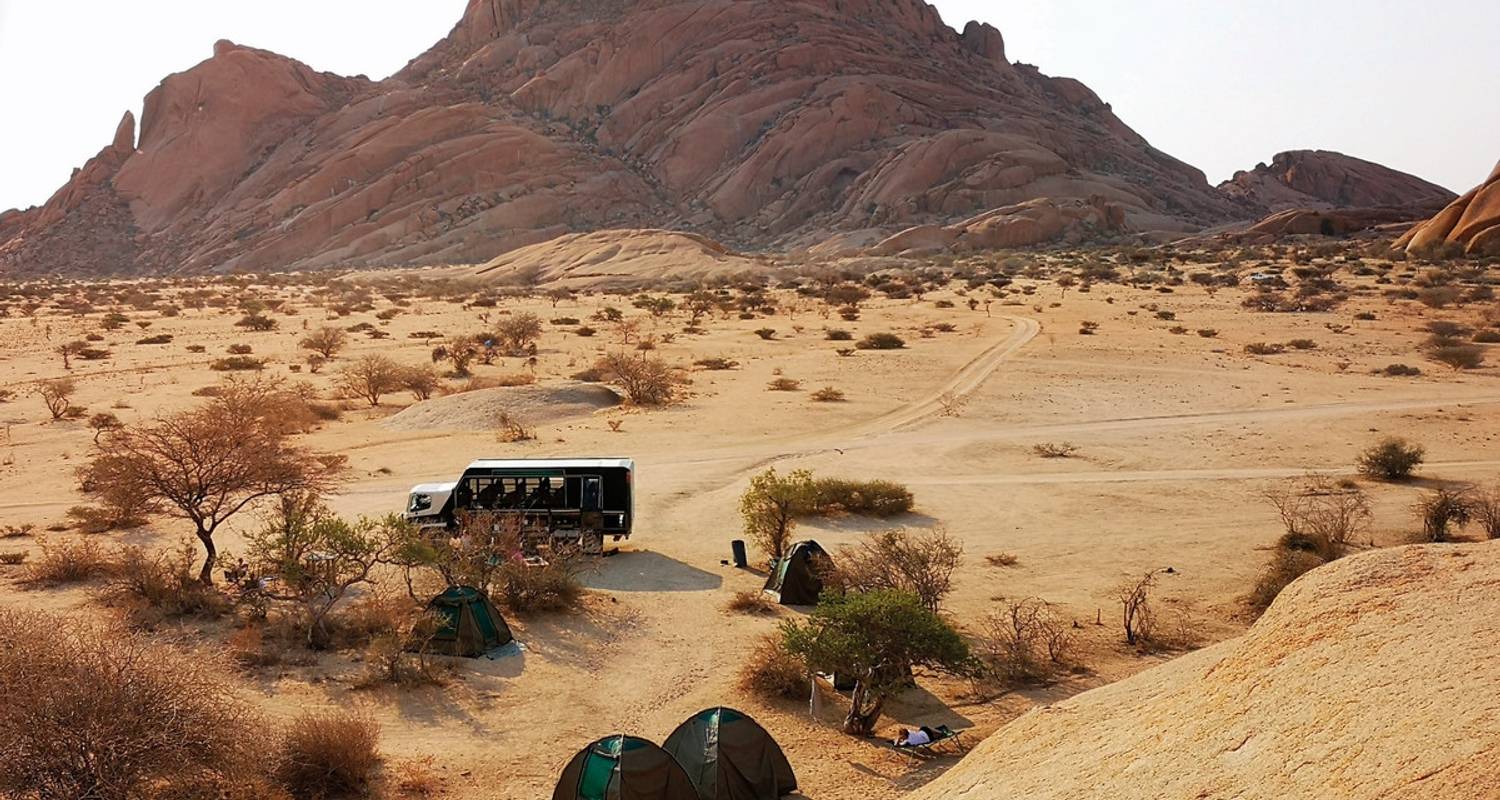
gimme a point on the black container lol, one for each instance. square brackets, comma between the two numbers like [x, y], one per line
[738, 547]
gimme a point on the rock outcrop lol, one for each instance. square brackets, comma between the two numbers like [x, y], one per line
[1471, 222]
[1372, 677]
[1321, 179]
[754, 122]
[1025, 224]
[617, 260]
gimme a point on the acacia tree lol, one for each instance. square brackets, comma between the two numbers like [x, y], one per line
[326, 342]
[204, 466]
[874, 637]
[57, 395]
[371, 377]
[517, 334]
[69, 349]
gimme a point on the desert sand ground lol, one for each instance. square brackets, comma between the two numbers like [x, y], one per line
[1177, 435]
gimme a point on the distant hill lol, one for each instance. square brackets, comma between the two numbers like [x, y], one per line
[758, 123]
[1323, 179]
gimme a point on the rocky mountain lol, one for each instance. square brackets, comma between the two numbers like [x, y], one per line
[1322, 179]
[1471, 222]
[1364, 680]
[758, 122]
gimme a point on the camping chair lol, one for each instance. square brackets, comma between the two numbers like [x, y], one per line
[944, 734]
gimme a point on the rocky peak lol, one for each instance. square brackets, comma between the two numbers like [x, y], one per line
[125, 134]
[984, 40]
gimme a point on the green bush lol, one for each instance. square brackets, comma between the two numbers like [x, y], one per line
[1392, 459]
[873, 498]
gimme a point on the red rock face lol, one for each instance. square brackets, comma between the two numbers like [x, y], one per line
[757, 122]
[1471, 222]
[1321, 179]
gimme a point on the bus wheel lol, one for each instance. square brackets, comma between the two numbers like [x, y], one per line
[591, 544]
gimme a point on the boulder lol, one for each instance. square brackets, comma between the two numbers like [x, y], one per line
[1471, 222]
[1371, 677]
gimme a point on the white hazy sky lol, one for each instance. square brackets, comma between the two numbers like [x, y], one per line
[1221, 84]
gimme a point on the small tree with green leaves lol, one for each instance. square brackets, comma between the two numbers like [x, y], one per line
[317, 557]
[517, 334]
[771, 505]
[874, 637]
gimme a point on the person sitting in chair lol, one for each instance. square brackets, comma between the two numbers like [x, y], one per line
[920, 736]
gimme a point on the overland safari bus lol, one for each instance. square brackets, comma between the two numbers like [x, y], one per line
[581, 500]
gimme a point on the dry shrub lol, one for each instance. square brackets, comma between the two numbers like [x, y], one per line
[784, 385]
[1485, 506]
[510, 428]
[1285, 566]
[828, 394]
[418, 778]
[875, 498]
[1137, 612]
[68, 561]
[919, 563]
[1441, 509]
[111, 516]
[1023, 643]
[1002, 559]
[98, 713]
[13, 559]
[156, 586]
[1055, 449]
[552, 586]
[250, 647]
[17, 531]
[1319, 515]
[753, 602]
[645, 381]
[773, 673]
[329, 754]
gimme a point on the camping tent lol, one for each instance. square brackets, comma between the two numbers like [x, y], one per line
[796, 579]
[623, 767]
[729, 756]
[469, 625]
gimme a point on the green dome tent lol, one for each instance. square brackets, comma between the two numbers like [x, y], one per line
[729, 756]
[469, 624]
[623, 767]
[796, 579]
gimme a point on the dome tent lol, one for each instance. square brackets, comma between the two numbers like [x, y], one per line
[797, 578]
[621, 767]
[729, 756]
[469, 624]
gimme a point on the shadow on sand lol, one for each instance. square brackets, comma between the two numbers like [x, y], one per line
[647, 571]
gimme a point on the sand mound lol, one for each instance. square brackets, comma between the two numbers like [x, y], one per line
[480, 409]
[1374, 677]
[618, 259]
